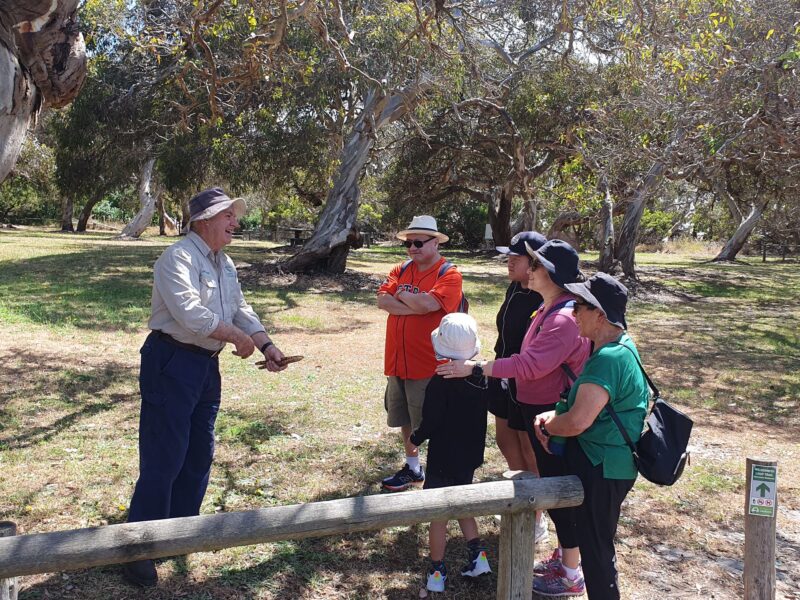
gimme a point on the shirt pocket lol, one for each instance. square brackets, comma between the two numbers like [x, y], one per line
[209, 288]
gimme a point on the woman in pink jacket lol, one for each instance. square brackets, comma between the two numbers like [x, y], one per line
[551, 344]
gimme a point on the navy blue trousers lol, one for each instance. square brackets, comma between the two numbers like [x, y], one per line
[180, 399]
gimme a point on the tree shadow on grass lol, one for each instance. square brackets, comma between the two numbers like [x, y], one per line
[106, 288]
[724, 351]
[48, 385]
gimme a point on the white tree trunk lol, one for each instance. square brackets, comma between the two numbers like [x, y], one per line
[328, 247]
[148, 197]
[629, 232]
[606, 229]
[42, 57]
[739, 237]
[721, 190]
[19, 99]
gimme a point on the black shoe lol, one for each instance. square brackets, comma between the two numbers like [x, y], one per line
[140, 572]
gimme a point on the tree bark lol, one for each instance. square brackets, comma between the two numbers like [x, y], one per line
[721, 190]
[166, 224]
[328, 247]
[86, 212]
[606, 229]
[500, 215]
[42, 57]
[66, 214]
[19, 99]
[629, 233]
[742, 233]
[558, 230]
[148, 196]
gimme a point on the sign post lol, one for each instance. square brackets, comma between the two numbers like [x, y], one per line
[761, 510]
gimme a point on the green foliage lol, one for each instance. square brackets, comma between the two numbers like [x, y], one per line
[30, 194]
[290, 211]
[655, 225]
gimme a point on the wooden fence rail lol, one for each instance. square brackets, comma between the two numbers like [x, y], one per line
[516, 499]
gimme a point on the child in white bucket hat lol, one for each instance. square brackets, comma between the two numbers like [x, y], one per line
[454, 423]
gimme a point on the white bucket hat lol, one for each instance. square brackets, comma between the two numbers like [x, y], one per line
[456, 337]
[423, 224]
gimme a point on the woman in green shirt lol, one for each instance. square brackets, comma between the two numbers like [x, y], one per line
[596, 451]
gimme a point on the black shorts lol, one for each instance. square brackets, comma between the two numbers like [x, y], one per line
[502, 404]
[529, 412]
[440, 480]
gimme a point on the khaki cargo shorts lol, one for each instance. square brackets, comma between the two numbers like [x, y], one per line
[403, 401]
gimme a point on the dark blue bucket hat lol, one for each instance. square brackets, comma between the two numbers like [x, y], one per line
[605, 293]
[213, 201]
[517, 246]
[559, 259]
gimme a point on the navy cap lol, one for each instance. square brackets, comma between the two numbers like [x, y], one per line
[605, 293]
[213, 201]
[560, 260]
[517, 246]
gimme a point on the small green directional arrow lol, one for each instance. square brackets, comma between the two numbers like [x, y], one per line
[763, 488]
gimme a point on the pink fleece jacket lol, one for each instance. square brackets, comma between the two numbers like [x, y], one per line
[547, 344]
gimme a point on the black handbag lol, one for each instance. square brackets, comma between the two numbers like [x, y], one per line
[661, 452]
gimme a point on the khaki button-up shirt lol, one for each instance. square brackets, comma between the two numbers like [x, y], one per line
[193, 290]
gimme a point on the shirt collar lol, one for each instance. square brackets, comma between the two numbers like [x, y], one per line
[200, 243]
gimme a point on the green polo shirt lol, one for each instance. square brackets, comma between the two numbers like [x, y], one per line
[615, 369]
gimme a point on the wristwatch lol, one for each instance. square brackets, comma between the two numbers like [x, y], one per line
[477, 370]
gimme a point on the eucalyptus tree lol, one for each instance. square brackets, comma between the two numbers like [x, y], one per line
[740, 93]
[42, 60]
[708, 95]
[530, 76]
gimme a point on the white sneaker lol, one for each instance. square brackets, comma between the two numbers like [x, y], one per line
[477, 565]
[436, 581]
[540, 532]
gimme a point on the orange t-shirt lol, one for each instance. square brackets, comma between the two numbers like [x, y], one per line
[409, 352]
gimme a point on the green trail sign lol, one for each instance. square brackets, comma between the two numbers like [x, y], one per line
[763, 491]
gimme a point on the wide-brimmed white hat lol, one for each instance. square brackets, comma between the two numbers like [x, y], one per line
[456, 337]
[425, 225]
[213, 201]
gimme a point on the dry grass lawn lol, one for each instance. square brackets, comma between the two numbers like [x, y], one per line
[721, 340]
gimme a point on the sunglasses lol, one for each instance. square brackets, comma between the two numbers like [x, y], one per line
[535, 264]
[416, 243]
[586, 305]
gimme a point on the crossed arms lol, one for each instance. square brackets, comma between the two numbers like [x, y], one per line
[405, 303]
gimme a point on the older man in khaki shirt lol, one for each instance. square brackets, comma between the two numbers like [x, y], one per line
[197, 306]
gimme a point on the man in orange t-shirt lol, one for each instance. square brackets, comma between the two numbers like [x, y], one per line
[416, 294]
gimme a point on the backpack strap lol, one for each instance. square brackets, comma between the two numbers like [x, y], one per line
[656, 393]
[403, 267]
[559, 306]
[446, 266]
[614, 417]
[613, 414]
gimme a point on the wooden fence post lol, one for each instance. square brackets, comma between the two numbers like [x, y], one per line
[516, 549]
[761, 511]
[8, 587]
[515, 568]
